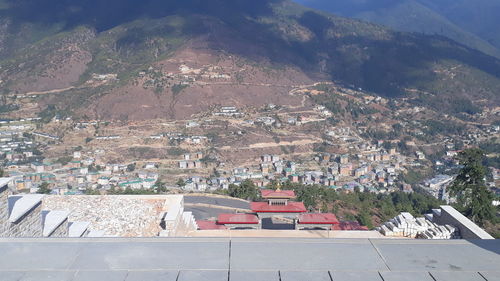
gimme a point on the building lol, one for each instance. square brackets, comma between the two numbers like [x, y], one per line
[239, 221]
[345, 169]
[437, 186]
[316, 221]
[277, 204]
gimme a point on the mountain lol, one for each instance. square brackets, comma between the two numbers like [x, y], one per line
[124, 59]
[474, 23]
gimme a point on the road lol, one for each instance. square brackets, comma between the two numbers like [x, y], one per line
[202, 212]
[226, 202]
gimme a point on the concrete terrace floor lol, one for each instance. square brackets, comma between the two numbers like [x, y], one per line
[242, 259]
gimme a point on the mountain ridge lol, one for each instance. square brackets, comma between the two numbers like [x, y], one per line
[446, 18]
[280, 37]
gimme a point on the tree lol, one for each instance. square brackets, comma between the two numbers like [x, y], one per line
[365, 219]
[131, 167]
[1, 173]
[246, 190]
[180, 183]
[474, 198]
[160, 186]
[44, 188]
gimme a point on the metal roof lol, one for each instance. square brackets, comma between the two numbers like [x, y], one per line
[267, 259]
[237, 219]
[324, 218]
[291, 207]
[269, 193]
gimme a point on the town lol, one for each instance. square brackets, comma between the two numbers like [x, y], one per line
[191, 165]
[337, 136]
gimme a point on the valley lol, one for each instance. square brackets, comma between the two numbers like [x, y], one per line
[181, 97]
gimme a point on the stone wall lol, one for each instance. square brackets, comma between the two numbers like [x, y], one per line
[61, 230]
[30, 225]
[4, 210]
[120, 215]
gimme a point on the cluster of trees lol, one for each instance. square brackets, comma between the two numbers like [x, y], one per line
[44, 188]
[492, 147]
[434, 127]
[367, 208]
[8, 108]
[130, 191]
[474, 199]
[64, 160]
[246, 190]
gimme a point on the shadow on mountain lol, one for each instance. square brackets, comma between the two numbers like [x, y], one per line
[383, 65]
[107, 14]
[349, 8]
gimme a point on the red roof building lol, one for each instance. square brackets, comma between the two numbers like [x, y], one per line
[277, 194]
[237, 219]
[290, 207]
[317, 219]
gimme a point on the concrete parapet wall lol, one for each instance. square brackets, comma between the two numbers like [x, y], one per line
[4, 210]
[243, 226]
[312, 226]
[61, 230]
[468, 229]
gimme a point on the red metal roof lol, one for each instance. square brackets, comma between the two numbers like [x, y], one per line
[349, 225]
[237, 219]
[209, 225]
[318, 219]
[264, 207]
[269, 193]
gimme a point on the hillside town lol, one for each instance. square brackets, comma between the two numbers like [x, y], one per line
[367, 165]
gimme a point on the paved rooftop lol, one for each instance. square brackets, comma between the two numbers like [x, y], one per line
[215, 259]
